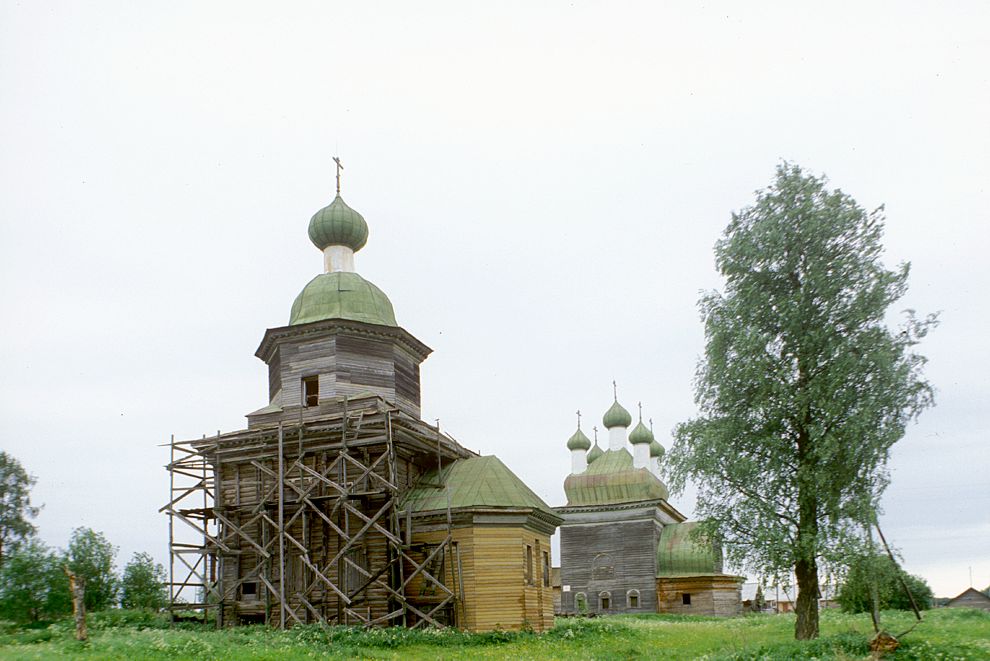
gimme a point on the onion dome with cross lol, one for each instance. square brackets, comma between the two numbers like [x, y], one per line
[340, 293]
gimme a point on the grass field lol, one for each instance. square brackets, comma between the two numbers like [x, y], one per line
[947, 634]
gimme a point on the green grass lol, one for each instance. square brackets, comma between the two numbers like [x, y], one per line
[947, 634]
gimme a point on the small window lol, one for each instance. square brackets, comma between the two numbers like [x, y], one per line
[311, 390]
[529, 565]
[249, 590]
[686, 599]
[632, 598]
[546, 569]
[604, 600]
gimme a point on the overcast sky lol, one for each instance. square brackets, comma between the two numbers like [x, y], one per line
[543, 182]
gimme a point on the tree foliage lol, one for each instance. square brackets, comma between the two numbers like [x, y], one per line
[803, 388]
[91, 556]
[879, 572]
[15, 503]
[143, 584]
[32, 584]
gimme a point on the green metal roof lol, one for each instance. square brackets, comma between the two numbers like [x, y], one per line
[596, 453]
[611, 461]
[338, 225]
[342, 295]
[680, 555]
[472, 482]
[616, 416]
[578, 441]
[656, 450]
[640, 434]
[611, 479]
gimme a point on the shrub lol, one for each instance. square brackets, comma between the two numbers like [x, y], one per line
[855, 595]
[91, 556]
[143, 584]
[32, 584]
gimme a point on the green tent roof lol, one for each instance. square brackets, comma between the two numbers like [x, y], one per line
[342, 295]
[472, 482]
[680, 555]
[611, 479]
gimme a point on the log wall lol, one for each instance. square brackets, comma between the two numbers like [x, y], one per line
[497, 594]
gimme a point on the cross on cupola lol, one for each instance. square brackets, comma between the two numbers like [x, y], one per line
[340, 166]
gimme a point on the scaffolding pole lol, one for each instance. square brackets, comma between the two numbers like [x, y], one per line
[336, 540]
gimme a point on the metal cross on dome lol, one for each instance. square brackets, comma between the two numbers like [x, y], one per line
[340, 166]
[579, 418]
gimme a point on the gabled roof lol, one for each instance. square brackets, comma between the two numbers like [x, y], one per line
[473, 482]
[970, 597]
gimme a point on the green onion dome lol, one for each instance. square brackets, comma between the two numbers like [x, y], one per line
[656, 450]
[338, 225]
[595, 453]
[578, 441]
[616, 416]
[640, 434]
[342, 295]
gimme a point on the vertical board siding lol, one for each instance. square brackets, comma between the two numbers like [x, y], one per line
[631, 545]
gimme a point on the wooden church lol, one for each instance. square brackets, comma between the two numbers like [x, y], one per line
[338, 504]
[623, 547]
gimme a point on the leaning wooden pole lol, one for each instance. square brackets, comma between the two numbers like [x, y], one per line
[900, 573]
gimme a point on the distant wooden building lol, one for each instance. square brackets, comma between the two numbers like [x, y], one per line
[623, 547]
[337, 504]
[970, 598]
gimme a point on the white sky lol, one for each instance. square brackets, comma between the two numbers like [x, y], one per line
[544, 183]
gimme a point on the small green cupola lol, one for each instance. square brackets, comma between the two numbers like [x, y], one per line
[656, 450]
[578, 441]
[338, 225]
[596, 451]
[640, 434]
[616, 416]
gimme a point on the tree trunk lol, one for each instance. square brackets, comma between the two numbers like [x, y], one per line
[806, 566]
[77, 586]
[806, 627]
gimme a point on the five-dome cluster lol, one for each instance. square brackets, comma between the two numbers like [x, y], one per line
[600, 476]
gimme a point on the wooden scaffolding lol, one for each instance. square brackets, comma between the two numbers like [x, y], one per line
[303, 523]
